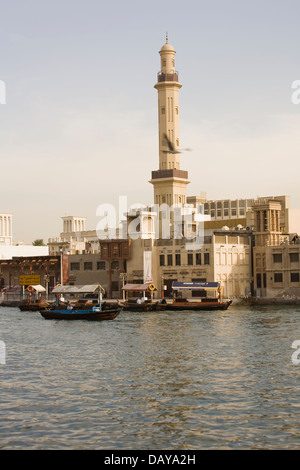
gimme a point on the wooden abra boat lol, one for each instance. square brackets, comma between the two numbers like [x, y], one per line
[79, 311]
[35, 292]
[33, 306]
[95, 314]
[146, 306]
[143, 303]
[203, 303]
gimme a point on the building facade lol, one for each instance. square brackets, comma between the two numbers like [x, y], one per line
[276, 254]
[22, 271]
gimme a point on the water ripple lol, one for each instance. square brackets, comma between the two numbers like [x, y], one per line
[151, 381]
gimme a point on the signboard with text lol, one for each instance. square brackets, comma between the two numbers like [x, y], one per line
[30, 279]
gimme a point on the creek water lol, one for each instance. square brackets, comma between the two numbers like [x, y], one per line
[157, 380]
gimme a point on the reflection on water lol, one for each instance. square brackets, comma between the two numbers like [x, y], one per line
[157, 380]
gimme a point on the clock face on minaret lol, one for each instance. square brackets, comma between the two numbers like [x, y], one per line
[169, 181]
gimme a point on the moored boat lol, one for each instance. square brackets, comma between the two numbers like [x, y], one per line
[203, 302]
[95, 314]
[34, 306]
[145, 306]
[37, 304]
[184, 304]
[80, 311]
[142, 303]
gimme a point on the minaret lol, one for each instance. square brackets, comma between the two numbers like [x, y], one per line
[169, 181]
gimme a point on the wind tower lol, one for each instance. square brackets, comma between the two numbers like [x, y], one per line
[169, 181]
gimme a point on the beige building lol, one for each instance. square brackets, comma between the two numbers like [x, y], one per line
[74, 239]
[241, 212]
[91, 269]
[224, 257]
[276, 254]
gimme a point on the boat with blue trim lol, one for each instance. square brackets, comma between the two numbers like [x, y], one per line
[199, 290]
[94, 314]
[79, 310]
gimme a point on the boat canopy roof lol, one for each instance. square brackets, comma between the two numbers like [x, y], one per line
[85, 289]
[38, 288]
[195, 285]
[136, 287]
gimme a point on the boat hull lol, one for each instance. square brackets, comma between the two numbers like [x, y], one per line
[32, 307]
[143, 307]
[80, 314]
[199, 305]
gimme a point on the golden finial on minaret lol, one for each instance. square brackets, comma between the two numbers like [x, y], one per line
[167, 39]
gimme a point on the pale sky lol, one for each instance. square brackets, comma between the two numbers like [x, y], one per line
[80, 127]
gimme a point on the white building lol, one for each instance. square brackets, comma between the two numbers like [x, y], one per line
[8, 250]
[11, 251]
[74, 238]
[5, 229]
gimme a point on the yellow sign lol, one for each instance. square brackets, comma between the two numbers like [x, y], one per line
[28, 280]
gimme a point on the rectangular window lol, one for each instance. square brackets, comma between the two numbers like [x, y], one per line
[115, 285]
[100, 265]
[277, 257]
[295, 277]
[265, 221]
[115, 265]
[88, 265]
[265, 279]
[75, 266]
[190, 259]
[258, 280]
[258, 227]
[294, 257]
[170, 260]
[206, 258]
[198, 258]
[161, 260]
[278, 277]
[178, 260]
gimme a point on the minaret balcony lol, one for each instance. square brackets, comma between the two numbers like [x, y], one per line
[167, 77]
[172, 173]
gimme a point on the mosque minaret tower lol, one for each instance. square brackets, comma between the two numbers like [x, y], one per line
[169, 181]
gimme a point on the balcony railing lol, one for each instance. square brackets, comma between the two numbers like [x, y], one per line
[167, 77]
[169, 174]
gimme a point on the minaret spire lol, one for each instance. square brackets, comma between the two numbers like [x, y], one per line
[169, 181]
